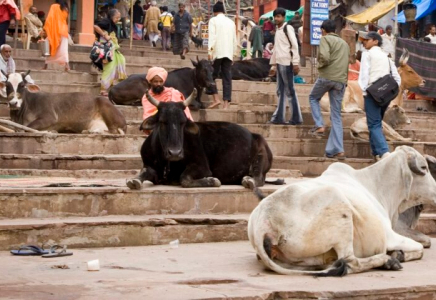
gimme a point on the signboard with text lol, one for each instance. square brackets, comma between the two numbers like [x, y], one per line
[204, 33]
[319, 11]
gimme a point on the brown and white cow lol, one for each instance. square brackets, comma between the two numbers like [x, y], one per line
[394, 116]
[353, 98]
[60, 112]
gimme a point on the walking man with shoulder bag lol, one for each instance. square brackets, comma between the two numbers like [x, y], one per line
[333, 57]
[285, 64]
[377, 67]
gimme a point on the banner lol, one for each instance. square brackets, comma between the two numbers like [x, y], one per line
[319, 11]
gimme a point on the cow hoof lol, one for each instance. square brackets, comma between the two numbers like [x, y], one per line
[248, 183]
[426, 244]
[393, 264]
[134, 184]
[214, 182]
[398, 254]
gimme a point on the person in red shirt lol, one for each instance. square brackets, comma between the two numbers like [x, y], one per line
[353, 68]
[268, 29]
[8, 13]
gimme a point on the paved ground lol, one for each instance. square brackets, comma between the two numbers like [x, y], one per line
[198, 271]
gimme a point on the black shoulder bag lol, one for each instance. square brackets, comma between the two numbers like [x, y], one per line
[160, 25]
[385, 89]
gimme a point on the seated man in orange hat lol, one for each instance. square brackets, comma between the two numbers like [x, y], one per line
[156, 78]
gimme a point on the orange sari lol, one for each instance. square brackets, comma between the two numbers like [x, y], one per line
[56, 27]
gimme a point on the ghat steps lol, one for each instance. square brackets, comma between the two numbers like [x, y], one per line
[102, 215]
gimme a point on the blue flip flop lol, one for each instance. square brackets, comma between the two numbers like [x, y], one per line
[29, 250]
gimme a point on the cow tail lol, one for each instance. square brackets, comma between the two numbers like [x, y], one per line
[264, 244]
[259, 194]
[279, 181]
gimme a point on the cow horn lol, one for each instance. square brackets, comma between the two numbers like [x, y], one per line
[25, 74]
[412, 161]
[188, 101]
[151, 99]
[404, 57]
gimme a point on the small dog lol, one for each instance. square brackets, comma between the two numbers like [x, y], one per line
[198, 42]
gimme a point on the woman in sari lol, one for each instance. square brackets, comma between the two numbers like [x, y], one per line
[113, 71]
[56, 30]
[138, 15]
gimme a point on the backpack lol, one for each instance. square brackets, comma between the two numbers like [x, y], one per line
[285, 30]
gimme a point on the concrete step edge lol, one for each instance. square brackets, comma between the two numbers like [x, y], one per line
[147, 220]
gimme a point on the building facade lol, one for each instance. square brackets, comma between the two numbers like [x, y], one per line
[263, 6]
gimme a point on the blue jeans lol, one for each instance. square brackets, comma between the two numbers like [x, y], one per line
[374, 118]
[335, 143]
[285, 89]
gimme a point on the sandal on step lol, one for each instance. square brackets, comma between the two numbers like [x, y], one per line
[315, 133]
[29, 250]
[339, 156]
[61, 253]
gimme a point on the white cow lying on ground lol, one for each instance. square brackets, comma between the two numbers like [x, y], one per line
[394, 116]
[344, 217]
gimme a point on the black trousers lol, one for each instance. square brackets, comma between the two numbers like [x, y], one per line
[224, 66]
[3, 30]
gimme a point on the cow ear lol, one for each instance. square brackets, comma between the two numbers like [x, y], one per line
[149, 123]
[191, 127]
[33, 88]
[395, 106]
[3, 89]
[194, 63]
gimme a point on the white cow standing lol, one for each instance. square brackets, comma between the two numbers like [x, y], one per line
[344, 217]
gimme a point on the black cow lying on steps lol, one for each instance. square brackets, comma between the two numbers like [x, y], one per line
[204, 154]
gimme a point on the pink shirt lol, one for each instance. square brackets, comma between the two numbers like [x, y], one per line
[168, 94]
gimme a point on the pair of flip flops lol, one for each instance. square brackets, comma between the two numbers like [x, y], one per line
[32, 250]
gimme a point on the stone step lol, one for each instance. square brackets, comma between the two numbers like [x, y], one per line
[50, 76]
[136, 51]
[262, 117]
[425, 104]
[83, 65]
[54, 76]
[122, 230]
[58, 87]
[128, 230]
[126, 166]
[89, 144]
[112, 174]
[85, 173]
[94, 165]
[302, 132]
[31, 198]
[140, 60]
[315, 166]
